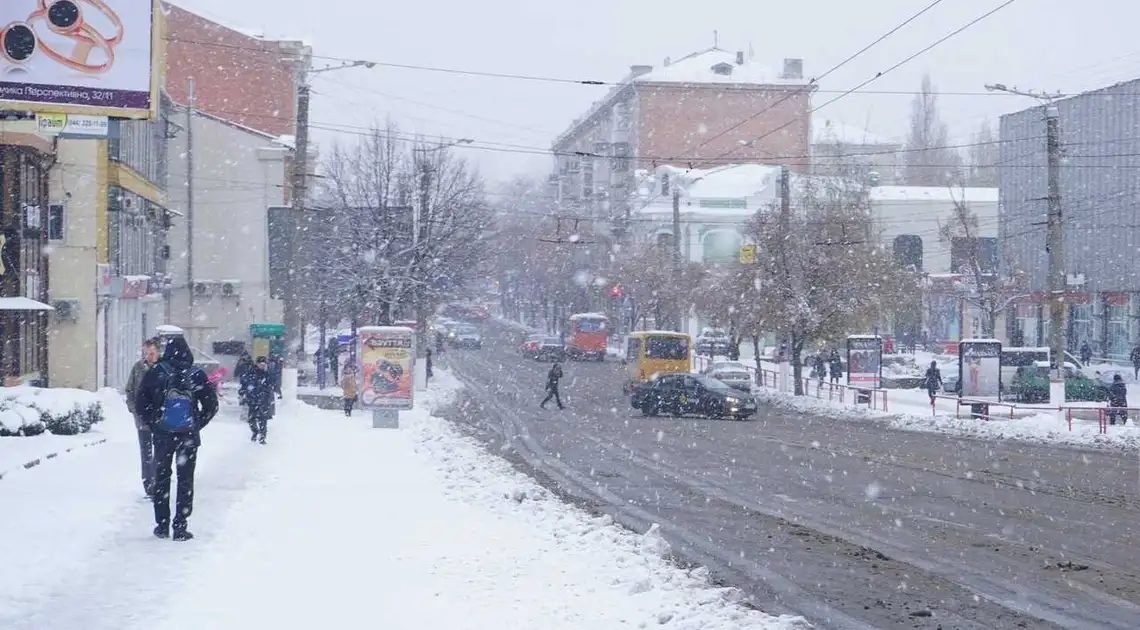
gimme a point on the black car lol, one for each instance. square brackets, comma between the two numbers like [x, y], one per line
[691, 395]
[549, 349]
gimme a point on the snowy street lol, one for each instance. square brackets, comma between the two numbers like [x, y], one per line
[333, 524]
[847, 521]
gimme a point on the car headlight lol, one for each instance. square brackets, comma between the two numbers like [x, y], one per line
[732, 401]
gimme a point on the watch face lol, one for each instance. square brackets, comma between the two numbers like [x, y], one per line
[63, 14]
[19, 42]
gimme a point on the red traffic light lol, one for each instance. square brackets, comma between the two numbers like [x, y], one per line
[616, 291]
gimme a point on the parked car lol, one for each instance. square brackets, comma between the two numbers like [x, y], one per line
[547, 348]
[691, 394]
[724, 365]
[1031, 384]
[736, 379]
[713, 342]
[466, 336]
[530, 345]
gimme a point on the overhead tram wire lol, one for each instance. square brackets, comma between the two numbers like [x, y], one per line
[793, 92]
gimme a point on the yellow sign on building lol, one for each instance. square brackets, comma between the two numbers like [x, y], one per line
[748, 255]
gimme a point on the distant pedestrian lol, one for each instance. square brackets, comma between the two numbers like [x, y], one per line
[820, 368]
[258, 389]
[835, 365]
[1086, 353]
[276, 368]
[349, 389]
[176, 401]
[427, 371]
[1118, 398]
[933, 381]
[146, 438]
[552, 379]
[1135, 358]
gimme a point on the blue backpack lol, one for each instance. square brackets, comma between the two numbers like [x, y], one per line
[177, 403]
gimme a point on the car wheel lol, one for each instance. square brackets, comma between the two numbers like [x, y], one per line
[649, 409]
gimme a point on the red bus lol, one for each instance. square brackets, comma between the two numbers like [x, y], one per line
[586, 336]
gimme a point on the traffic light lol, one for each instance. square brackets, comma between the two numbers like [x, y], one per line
[616, 291]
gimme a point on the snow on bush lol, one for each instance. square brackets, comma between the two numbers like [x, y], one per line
[26, 411]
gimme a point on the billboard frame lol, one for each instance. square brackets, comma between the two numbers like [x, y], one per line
[395, 404]
[964, 345]
[877, 381]
[157, 74]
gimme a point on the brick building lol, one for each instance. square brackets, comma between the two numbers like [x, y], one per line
[678, 111]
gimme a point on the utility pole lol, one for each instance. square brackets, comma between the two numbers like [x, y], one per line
[1054, 243]
[190, 102]
[785, 233]
[299, 191]
[677, 250]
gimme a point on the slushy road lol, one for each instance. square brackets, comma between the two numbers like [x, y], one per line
[849, 523]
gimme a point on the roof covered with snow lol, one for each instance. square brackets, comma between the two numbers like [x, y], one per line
[825, 130]
[732, 181]
[934, 193]
[698, 68]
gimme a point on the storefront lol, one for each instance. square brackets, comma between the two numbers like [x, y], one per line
[132, 311]
[23, 265]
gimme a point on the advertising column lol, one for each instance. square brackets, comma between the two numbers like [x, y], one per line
[387, 372]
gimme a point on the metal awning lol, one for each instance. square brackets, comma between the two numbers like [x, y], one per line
[23, 304]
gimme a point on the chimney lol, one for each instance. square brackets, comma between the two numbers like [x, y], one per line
[667, 62]
[636, 71]
[740, 57]
[793, 68]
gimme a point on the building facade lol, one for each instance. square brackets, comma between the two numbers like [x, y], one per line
[701, 107]
[837, 147]
[1100, 137]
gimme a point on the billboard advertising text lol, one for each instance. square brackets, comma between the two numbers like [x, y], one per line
[387, 367]
[78, 56]
[864, 361]
[979, 368]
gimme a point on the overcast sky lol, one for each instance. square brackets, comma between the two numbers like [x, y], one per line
[1040, 44]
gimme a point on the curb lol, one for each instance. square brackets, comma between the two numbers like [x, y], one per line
[39, 460]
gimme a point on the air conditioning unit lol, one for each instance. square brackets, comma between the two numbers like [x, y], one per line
[231, 288]
[66, 310]
[204, 288]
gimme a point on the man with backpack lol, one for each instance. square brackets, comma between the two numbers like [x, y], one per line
[176, 402]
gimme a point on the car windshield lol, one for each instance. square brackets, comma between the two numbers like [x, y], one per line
[713, 385]
[551, 341]
[731, 365]
[468, 330]
[735, 376]
[668, 348]
[591, 325]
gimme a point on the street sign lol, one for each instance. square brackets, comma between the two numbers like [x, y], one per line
[72, 125]
[748, 255]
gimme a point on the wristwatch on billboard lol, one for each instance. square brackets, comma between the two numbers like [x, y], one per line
[65, 18]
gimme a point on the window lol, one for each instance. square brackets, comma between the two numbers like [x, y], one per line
[669, 348]
[621, 156]
[723, 69]
[664, 183]
[665, 241]
[590, 325]
[721, 246]
[964, 251]
[908, 251]
[55, 222]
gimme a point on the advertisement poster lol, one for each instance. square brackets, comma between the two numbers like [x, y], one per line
[864, 361]
[78, 56]
[387, 367]
[979, 367]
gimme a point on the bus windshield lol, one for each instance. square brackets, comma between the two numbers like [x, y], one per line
[591, 325]
[671, 348]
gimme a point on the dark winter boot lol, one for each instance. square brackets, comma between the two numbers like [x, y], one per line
[181, 534]
[161, 531]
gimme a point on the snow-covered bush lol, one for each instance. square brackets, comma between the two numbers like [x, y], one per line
[26, 411]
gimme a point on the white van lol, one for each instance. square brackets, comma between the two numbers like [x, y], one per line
[1013, 358]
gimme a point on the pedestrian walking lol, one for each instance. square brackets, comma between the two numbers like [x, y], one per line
[835, 365]
[1086, 353]
[349, 389]
[1118, 399]
[146, 441]
[820, 368]
[1135, 358]
[552, 379]
[427, 372]
[176, 402]
[933, 381]
[276, 368]
[259, 390]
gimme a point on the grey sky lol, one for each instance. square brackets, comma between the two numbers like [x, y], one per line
[1040, 44]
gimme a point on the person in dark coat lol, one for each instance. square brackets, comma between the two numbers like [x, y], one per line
[276, 367]
[820, 368]
[1086, 353]
[836, 367]
[933, 381]
[1135, 358]
[151, 352]
[258, 389]
[427, 367]
[244, 364]
[157, 398]
[1117, 397]
[552, 378]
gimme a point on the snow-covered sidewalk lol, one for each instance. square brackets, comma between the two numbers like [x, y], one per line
[335, 524]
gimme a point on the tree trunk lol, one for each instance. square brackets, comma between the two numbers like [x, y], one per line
[797, 348]
[756, 352]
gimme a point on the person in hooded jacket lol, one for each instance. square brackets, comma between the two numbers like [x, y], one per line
[259, 398]
[1117, 397]
[158, 394]
[552, 379]
[933, 381]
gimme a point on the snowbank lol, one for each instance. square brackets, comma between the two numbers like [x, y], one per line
[1042, 428]
[27, 411]
[632, 564]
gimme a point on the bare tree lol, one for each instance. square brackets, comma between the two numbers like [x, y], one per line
[983, 158]
[404, 225]
[821, 272]
[732, 298]
[929, 161]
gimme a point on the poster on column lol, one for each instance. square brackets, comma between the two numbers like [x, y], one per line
[386, 356]
[864, 361]
[979, 367]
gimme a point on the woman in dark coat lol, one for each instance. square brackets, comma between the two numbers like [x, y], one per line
[258, 392]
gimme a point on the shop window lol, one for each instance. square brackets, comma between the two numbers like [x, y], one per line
[55, 222]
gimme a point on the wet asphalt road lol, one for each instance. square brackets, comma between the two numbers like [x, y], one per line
[847, 523]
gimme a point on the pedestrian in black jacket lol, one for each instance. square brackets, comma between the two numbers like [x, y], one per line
[933, 381]
[176, 401]
[258, 393]
[1117, 397]
[552, 378]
